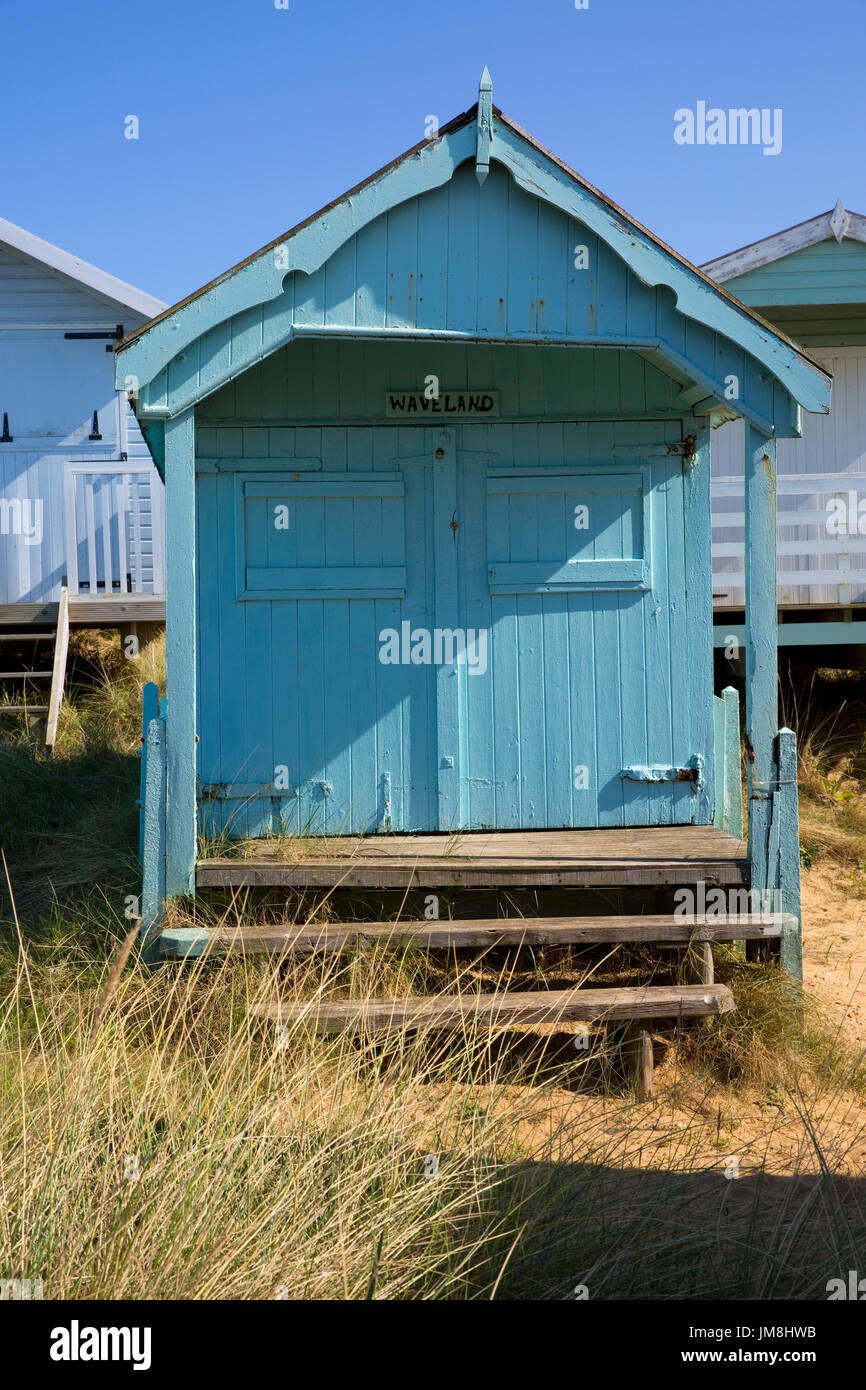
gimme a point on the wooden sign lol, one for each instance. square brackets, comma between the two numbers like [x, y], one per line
[460, 405]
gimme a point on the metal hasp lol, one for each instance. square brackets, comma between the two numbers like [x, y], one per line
[693, 772]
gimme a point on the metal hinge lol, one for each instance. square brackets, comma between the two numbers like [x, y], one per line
[682, 448]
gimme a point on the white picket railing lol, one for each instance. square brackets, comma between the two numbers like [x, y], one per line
[813, 566]
[115, 528]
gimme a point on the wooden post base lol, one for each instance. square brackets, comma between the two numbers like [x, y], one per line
[639, 1050]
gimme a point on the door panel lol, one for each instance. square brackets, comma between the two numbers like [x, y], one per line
[587, 663]
[325, 563]
[466, 631]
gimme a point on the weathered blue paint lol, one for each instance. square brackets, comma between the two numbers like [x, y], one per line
[786, 818]
[586, 670]
[729, 787]
[180, 654]
[183, 943]
[484, 120]
[153, 889]
[827, 273]
[452, 624]
[400, 227]
[800, 634]
[699, 618]
[761, 649]
[149, 711]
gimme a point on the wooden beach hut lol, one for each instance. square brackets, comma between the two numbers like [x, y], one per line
[810, 281]
[437, 468]
[81, 503]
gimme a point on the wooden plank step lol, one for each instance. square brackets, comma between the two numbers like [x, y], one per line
[505, 1009]
[370, 871]
[480, 933]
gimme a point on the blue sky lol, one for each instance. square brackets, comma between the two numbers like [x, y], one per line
[251, 117]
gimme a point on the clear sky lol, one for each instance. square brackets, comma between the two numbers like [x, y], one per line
[252, 117]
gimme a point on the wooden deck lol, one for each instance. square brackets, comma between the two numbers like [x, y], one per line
[87, 612]
[669, 855]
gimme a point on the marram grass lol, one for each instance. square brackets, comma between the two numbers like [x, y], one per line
[158, 1139]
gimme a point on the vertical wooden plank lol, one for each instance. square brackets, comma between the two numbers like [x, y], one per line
[761, 652]
[340, 728]
[733, 786]
[138, 585]
[639, 1046]
[661, 635]
[787, 812]
[121, 510]
[312, 732]
[258, 705]
[71, 531]
[180, 646]
[209, 640]
[697, 670]
[58, 673]
[227, 632]
[157, 512]
[449, 675]
[477, 765]
[106, 494]
[90, 534]
[153, 886]
[719, 761]
[149, 712]
[284, 687]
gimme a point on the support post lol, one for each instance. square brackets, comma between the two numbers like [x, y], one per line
[733, 814]
[149, 711]
[639, 1050]
[699, 616]
[761, 649]
[787, 813]
[58, 671]
[153, 841]
[180, 648]
[729, 786]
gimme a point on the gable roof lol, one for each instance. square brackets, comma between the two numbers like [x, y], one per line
[838, 223]
[63, 263]
[483, 132]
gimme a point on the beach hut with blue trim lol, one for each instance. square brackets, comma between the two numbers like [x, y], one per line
[437, 468]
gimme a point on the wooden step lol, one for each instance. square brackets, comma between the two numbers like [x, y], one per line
[659, 855]
[505, 1009]
[638, 1007]
[485, 932]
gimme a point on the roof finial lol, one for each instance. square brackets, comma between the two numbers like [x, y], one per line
[839, 220]
[485, 125]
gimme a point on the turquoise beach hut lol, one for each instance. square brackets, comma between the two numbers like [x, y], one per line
[437, 470]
